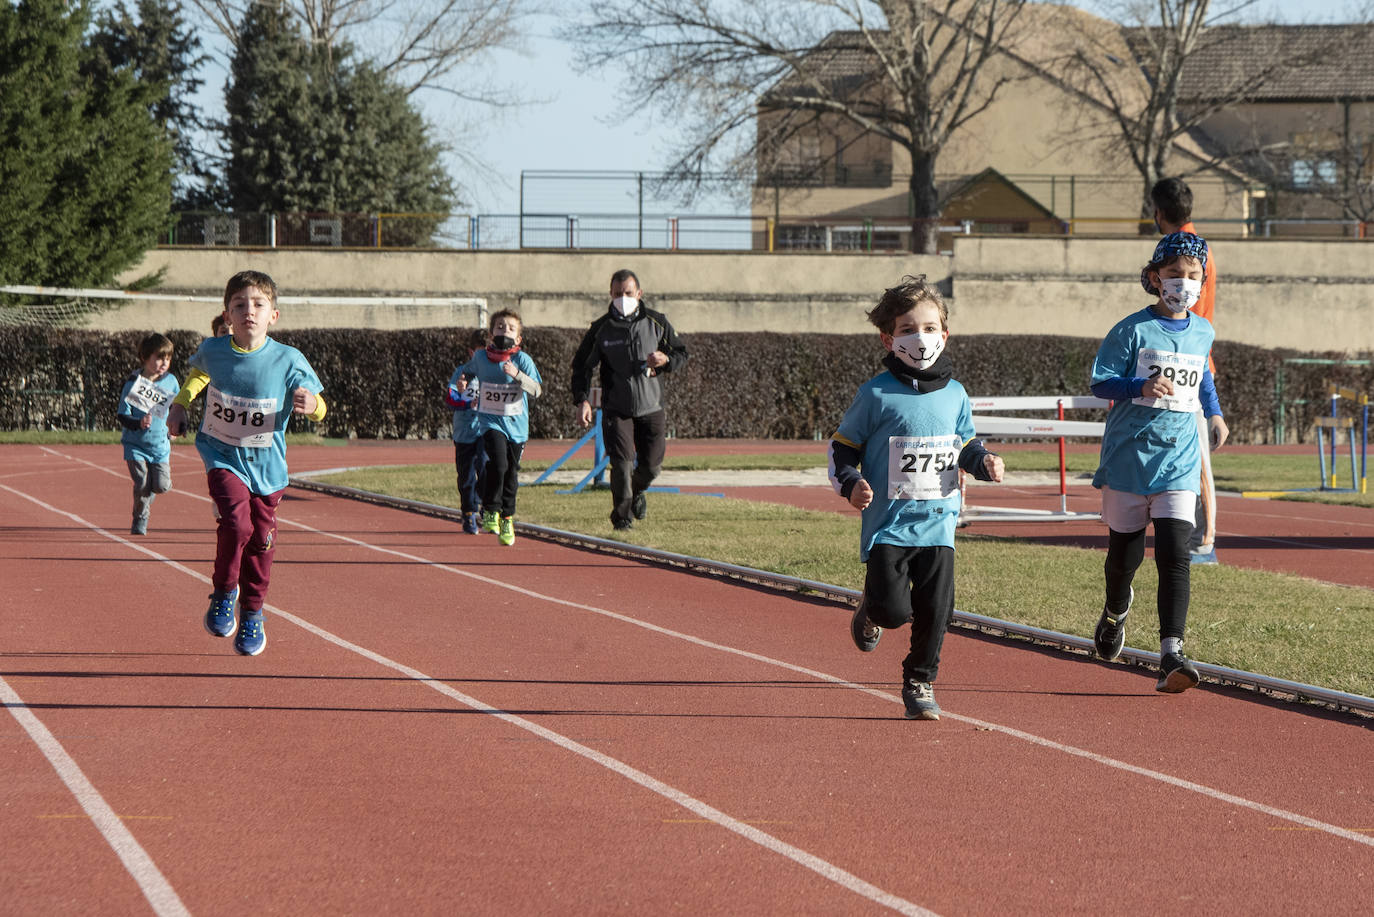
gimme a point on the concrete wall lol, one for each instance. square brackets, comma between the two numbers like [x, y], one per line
[1301, 294]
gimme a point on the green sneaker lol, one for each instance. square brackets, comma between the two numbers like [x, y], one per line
[489, 521]
[507, 530]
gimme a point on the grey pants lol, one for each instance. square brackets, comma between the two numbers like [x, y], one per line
[150, 479]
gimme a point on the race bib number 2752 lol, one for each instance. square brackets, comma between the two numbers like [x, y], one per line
[922, 467]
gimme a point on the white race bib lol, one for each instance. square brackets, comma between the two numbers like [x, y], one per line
[1185, 369]
[247, 422]
[504, 398]
[922, 467]
[148, 398]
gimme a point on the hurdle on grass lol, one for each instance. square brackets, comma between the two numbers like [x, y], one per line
[1336, 423]
[1030, 428]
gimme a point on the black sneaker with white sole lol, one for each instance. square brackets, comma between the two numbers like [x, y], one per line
[866, 634]
[1176, 674]
[1110, 635]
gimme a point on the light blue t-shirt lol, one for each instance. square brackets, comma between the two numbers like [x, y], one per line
[1151, 445]
[502, 404]
[464, 418]
[910, 443]
[150, 445]
[247, 408]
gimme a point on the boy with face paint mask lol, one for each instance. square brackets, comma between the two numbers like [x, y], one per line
[506, 380]
[896, 457]
[1153, 366]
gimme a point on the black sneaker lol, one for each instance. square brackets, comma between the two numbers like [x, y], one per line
[639, 506]
[1176, 674]
[622, 525]
[919, 698]
[1110, 636]
[866, 634]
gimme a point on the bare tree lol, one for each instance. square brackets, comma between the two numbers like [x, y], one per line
[420, 44]
[1165, 68]
[751, 83]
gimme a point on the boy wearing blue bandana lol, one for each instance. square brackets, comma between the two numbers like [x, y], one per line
[1153, 367]
[253, 385]
[143, 406]
[896, 457]
[506, 380]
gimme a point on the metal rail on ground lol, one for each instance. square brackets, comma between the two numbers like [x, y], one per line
[1274, 687]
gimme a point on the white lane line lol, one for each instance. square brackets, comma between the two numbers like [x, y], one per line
[136, 860]
[1210, 792]
[821, 867]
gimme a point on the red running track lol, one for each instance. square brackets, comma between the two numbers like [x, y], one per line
[443, 725]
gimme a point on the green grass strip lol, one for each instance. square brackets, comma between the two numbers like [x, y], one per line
[1274, 624]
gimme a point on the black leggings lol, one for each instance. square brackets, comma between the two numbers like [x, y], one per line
[1125, 553]
[913, 584]
[501, 474]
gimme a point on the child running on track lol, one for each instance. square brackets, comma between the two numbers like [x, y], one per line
[143, 406]
[910, 430]
[253, 385]
[1153, 366]
[468, 456]
[506, 379]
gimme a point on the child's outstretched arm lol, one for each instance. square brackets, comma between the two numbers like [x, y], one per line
[304, 401]
[845, 476]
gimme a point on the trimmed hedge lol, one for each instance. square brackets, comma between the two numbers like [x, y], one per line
[390, 384]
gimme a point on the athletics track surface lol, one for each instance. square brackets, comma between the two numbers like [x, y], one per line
[423, 735]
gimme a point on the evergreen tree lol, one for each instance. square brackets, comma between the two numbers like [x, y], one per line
[310, 131]
[164, 53]
[84, 169]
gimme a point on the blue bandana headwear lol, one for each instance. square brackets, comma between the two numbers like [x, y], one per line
[1172, 245]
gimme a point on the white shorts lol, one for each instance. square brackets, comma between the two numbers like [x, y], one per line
[1127, 512]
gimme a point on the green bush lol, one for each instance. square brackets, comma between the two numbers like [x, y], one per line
[390, 384]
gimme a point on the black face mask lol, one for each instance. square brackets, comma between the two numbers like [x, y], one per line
[502, 342]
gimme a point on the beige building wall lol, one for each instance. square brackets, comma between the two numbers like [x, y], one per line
[1305, 295]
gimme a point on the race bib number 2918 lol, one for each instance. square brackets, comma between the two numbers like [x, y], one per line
[247, 422]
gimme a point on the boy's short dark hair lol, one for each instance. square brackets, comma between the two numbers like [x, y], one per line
[623, 275]
[155, 345]
[505, 313]
[245, 279]
[1173, 199]
[216, 324]
[477, 339]
[904, 297]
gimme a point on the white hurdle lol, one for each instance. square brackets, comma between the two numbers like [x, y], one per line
[1025, 427]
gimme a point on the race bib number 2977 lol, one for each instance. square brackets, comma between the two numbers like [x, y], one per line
[246, 422]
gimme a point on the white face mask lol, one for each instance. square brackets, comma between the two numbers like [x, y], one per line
[919, 350]
[625, 304]
[1179, 293]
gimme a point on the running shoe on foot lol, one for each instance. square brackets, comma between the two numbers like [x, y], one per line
[1176, 674]
[252, 637]
[919, 698]
[622, 525]
[507, 530]
[866, 634]
[140, 526]
[219, 617]
[1110, 635]
[639, 506]
[471, 522]
[490, 521]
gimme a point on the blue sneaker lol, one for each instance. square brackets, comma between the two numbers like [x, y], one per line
[219, 618]
[252, 636]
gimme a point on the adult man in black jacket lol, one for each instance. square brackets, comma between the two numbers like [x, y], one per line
[633, 346]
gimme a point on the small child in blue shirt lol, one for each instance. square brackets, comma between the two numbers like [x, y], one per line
[1153, 367]
[468, 455]
[896, 457]
[506, 380]
[253, 385]
[143, 406]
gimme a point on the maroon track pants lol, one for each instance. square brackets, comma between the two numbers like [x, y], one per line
[247, 537]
